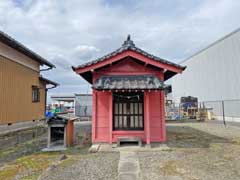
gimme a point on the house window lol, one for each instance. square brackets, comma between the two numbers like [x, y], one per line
[35, 94]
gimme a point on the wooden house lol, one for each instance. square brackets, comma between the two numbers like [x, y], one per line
[128, 94]
[22, 88]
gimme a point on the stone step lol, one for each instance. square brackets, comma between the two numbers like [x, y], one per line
[129, 139]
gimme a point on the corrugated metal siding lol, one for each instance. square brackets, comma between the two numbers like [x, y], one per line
[213, 74]
[83, 105]
[16, 83]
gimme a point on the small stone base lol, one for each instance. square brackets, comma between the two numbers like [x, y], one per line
[53, 149]
[148, 146]
[160, 146]
[94, 148]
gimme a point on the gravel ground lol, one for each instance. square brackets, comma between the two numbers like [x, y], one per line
[218, 129]
[102, 166]
[197, 151]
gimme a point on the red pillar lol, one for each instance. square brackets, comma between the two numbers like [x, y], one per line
[163, 116]
[94, 114]
[147, 117]
[70, 133]
[110, 116]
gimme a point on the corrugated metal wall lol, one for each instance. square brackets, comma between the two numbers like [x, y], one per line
[83, 105]
[213, 74]
[16, 83]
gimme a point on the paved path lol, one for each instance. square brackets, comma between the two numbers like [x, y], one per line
[128, 167]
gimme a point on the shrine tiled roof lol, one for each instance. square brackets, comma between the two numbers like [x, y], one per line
[129, 45]
[129, 82]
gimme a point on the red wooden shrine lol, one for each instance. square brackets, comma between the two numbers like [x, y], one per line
[128, 94]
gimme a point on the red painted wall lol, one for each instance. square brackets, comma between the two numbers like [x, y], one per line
[154, 122]
[127, 67]
[102, 116]
[156, 115]
[70, 133]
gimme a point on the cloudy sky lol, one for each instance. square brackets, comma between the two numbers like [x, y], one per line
[75, 31]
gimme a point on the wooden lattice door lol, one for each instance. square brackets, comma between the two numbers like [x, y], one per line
[128, 111]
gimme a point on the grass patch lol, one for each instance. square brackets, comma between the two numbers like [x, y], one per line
[77, 150]
[216, 147]
[9, 172]
[31, 177]
[236, 141]
[188, 137]
[68, 162]
[34, 162]
[8, 151]
[32, 166]
[169, 168]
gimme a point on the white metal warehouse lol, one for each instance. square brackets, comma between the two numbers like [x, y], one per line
[213, 74]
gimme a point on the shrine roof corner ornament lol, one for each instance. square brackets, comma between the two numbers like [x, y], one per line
[128, 48]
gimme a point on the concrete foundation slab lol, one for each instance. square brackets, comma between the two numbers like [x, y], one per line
[55, 148]
[127, 176]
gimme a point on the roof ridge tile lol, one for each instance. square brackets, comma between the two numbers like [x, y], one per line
[128, 45]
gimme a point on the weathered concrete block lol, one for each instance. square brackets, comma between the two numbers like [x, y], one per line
[127, 166]
[8, 141]
[12, 138]
[24, 136]
[94, 148]
[40, 131]
[127, 176]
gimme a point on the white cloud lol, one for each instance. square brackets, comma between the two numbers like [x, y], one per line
[75, 31]
[211, 10]
[86, 48]
[84, 52]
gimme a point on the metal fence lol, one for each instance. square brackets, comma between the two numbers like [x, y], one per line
[227, 110]
[80, 111]
[83, 111]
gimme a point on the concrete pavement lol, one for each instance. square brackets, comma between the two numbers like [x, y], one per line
[128, 167]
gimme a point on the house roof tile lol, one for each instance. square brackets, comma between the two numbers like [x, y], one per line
[6, 39]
